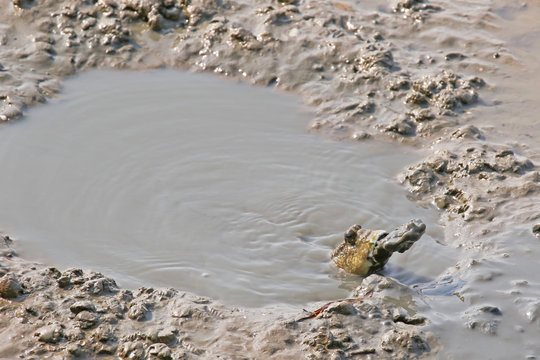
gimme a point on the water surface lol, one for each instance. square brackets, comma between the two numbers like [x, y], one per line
[186, 180]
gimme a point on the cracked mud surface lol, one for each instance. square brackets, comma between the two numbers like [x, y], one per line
[417, 72]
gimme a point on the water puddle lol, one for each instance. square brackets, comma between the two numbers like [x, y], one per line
[185, 180]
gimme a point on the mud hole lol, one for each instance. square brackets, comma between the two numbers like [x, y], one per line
[417, 72]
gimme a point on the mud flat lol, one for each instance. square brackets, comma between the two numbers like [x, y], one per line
[425, 74]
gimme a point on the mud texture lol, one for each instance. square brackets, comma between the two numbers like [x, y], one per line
[389, 73]
[49, 314]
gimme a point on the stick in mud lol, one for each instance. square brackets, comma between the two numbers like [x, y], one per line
[325, 306]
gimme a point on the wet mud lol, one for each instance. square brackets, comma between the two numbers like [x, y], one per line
[422, 73]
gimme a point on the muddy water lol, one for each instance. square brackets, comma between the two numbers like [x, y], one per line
[173, 179]
[504, 273]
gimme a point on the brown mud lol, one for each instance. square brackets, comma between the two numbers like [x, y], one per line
[417, 72]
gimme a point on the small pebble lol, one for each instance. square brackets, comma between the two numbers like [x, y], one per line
[50, 334]
[10, 287]
[63, 282]
[343, 308]
[87, 319]
[161, 351]
[166, 335]
[138, 312]
[79, 306]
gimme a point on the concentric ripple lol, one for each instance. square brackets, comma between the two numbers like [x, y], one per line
[166, 178]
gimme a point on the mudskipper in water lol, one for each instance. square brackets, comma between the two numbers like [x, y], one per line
[365, 251]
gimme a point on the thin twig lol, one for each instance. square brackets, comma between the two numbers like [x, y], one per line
[325, 306]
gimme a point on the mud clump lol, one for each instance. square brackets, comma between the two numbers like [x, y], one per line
[10, 287]
[451, 179]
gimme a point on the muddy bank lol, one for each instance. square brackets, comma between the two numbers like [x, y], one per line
[84, 314]
[416, 72]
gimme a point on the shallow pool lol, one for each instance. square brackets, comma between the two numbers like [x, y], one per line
[167, 178]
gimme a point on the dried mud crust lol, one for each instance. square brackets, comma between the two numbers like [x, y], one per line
[365, 73]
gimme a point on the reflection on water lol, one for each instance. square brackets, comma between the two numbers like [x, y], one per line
[173, 179]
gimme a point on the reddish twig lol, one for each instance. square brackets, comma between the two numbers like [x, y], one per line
[325, 306]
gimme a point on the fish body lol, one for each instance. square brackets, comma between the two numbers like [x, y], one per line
[365, 251]
[357, 258]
